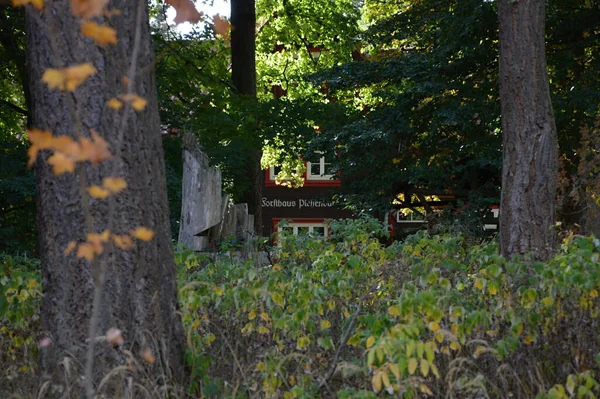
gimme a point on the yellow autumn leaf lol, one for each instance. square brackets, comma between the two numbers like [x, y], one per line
[142, 233]
[86, 251]
[147, 355]
[277, 298]
[412, 365]
[101, 34]
[61, 163]
[114, 103]
[528, 339]
[88, 8]
[377, 382]
[396, 161]
[40, 140]
[38, 4]
[394, 310]
[123, 242]
[114, 184]
[96, 240]
[425, 389]
[262, 330]
[424, 367]
[69, 248]
[265, 317]
[98, 192]
[252, 315]
[479, 283]
[370, 341]
[454, 346]
[112, 13]
[67, 79]
[434, 327]
[548, 301]
[395, 369]
[54, 78]
[138, 103]
[94, 150]
[325, 324]
[67, 146]
[385, 378]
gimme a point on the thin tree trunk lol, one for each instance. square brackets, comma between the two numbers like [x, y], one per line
[530, 148]
[140, 292]
[243, 71]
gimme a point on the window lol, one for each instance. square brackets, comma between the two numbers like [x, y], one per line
[319, 170]
[303, 227]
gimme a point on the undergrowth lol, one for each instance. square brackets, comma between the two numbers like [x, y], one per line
[346, 317]
[429, 316]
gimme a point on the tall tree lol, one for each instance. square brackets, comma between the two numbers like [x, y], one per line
[243, 71]
[530, 146]
[132, 290]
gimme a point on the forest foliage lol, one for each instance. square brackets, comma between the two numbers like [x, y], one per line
[351, 317]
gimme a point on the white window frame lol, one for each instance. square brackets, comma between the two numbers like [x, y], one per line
[321, 175]
[311, 228]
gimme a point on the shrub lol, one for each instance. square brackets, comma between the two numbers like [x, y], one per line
[430, 316]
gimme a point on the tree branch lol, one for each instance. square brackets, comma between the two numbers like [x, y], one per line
[14, 107]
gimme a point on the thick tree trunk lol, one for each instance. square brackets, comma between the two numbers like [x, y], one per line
[530, 148]
[140, 295]
[243, 71]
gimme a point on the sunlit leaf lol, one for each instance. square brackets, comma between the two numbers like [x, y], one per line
[265, 317]
[86, 251]
[138, 103]
[98, 192]
[142, 233]
[412, 365]
[114, 103]
[394, 310]
[147, 356]
[377, 382]
[61, 163]
[101, 34]
[114, 184]
[69, 247]
[370, 341]
[96, 149]
[40, 140]
[68, 79]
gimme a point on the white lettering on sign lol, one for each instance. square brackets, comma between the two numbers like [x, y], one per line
[301, 203]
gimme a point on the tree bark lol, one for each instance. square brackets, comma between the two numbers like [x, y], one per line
[530, 147]
[243, 73]
[140, 294]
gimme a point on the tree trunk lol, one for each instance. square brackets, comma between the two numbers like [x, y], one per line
[140, 291]
[243, 71]
[530, 148]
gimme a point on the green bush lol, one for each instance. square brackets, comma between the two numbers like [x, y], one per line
[430, 316]
[19, 320]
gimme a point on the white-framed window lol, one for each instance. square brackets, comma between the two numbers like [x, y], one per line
[409, 216]
[319, 170]
[316, 229]
[274, 171]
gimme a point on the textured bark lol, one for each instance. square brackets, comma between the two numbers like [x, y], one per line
[530, 148]
[140, 296]
[243, 73]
